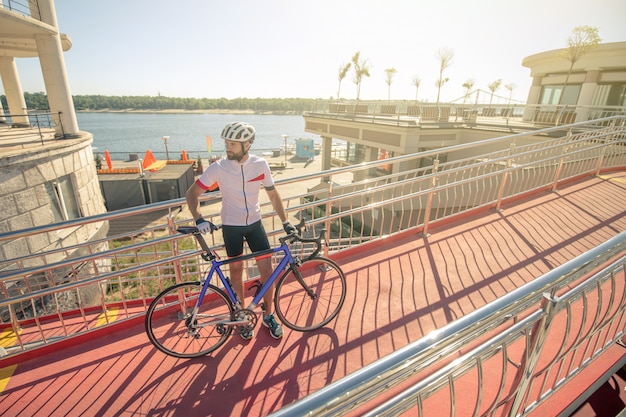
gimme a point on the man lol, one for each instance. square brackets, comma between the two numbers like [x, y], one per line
[239, 178]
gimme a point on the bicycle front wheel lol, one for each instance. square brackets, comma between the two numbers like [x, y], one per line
[173, 329]
[310, 295]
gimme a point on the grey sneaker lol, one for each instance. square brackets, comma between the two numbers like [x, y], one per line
[275, 329]
[247, 335]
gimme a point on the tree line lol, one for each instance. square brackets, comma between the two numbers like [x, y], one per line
[39, 101]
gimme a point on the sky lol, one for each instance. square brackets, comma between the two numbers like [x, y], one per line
[293, 48]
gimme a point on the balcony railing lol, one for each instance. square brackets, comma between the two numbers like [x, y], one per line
[406, 113]
[62, 293]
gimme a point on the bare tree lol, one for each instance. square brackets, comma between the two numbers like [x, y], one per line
[341, 74]
[581, 41]
[444, 56]
[468, 85]
[493, 87]
[389, 74]
[416, 83]
[361, 69]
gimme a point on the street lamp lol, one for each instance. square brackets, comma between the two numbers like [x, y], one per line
[165, 139]
[285, 148]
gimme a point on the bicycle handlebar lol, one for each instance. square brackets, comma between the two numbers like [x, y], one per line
[210, 254]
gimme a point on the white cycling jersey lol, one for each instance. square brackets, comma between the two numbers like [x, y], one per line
[239, 184]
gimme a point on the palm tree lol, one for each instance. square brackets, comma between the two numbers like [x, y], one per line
[361, 69]
[416, 82]
[581, 41]
[493, 87]
[510, 87]
[343, 71]
[389, 74]
[444, 56]
[468, 85]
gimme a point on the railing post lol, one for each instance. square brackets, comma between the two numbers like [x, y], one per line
[564, 152]
[171, 227]
[327, 223]
[505, 176]
[431, 194]
[603, 151]
[538, 335]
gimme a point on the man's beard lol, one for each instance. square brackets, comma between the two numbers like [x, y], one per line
[236, 156]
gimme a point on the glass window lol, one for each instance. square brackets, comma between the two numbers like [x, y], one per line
[609, 95]
[63, 201]
[551, 94]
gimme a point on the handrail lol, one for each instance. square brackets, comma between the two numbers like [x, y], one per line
[368, 382]
[126, 270]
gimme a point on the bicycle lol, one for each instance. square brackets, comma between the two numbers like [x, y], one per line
[193, 319]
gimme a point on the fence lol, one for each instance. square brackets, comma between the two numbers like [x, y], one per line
[70, 292]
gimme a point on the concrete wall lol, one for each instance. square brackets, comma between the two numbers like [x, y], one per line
[25, 202]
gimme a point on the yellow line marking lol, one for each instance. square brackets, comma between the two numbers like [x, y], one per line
[5, 375]
[111, 315]
[610, 178]
[8, 337]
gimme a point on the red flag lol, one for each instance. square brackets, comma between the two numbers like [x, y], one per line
[107, 157]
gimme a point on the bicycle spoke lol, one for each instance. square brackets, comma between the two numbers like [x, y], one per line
[173, 329]
[311, 296]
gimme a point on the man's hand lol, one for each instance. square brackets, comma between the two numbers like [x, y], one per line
[205, 226]
[289, 228]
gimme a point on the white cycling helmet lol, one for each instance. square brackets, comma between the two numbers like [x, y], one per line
[238, 132]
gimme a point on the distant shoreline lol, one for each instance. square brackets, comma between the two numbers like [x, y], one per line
[182, 111]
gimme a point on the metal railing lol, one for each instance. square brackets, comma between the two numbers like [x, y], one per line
[407, 113]
[26, 127]
[67, 292]
[507, 334]
[20, 7]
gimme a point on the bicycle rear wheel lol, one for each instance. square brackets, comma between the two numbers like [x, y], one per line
[310, 295]
[172, 330]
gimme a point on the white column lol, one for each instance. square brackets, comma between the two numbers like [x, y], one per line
[13, 91]
[54, 74]
[585, 98]
[533, 98]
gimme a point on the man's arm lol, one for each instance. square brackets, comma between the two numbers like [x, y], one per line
[277, 204]
[193, 202]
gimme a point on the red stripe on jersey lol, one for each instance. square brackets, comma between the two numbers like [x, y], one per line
[259, 178]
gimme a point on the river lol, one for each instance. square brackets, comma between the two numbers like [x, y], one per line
[125, 133]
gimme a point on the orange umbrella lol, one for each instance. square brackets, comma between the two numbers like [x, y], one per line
[107, 157]
[184, 155]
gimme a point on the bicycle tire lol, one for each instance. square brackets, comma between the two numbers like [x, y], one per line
[296, 309]
[167, 320]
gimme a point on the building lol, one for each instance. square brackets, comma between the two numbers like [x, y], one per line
[596, 88]
[47, 166]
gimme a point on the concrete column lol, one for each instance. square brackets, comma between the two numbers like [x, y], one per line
[54, 74]
[585, 97]
[533, 97]
[13, 92]
[327, 147]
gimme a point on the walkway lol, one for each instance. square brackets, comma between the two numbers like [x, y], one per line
[401, 289]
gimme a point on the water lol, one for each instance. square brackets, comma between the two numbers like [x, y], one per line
[125, 133]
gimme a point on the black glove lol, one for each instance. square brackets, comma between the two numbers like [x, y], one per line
[205, 226]
[289, 228]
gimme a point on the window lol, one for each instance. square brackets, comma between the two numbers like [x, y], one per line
[609, 95]
[551, 94]
[63, 201]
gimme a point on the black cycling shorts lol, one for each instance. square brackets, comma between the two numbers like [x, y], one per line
[254, 234]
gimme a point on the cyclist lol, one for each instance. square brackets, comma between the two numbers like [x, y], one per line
[239, 177]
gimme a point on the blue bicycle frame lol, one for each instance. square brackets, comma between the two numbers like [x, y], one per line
[216, 268]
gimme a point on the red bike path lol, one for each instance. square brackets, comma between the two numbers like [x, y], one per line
[400, 289]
